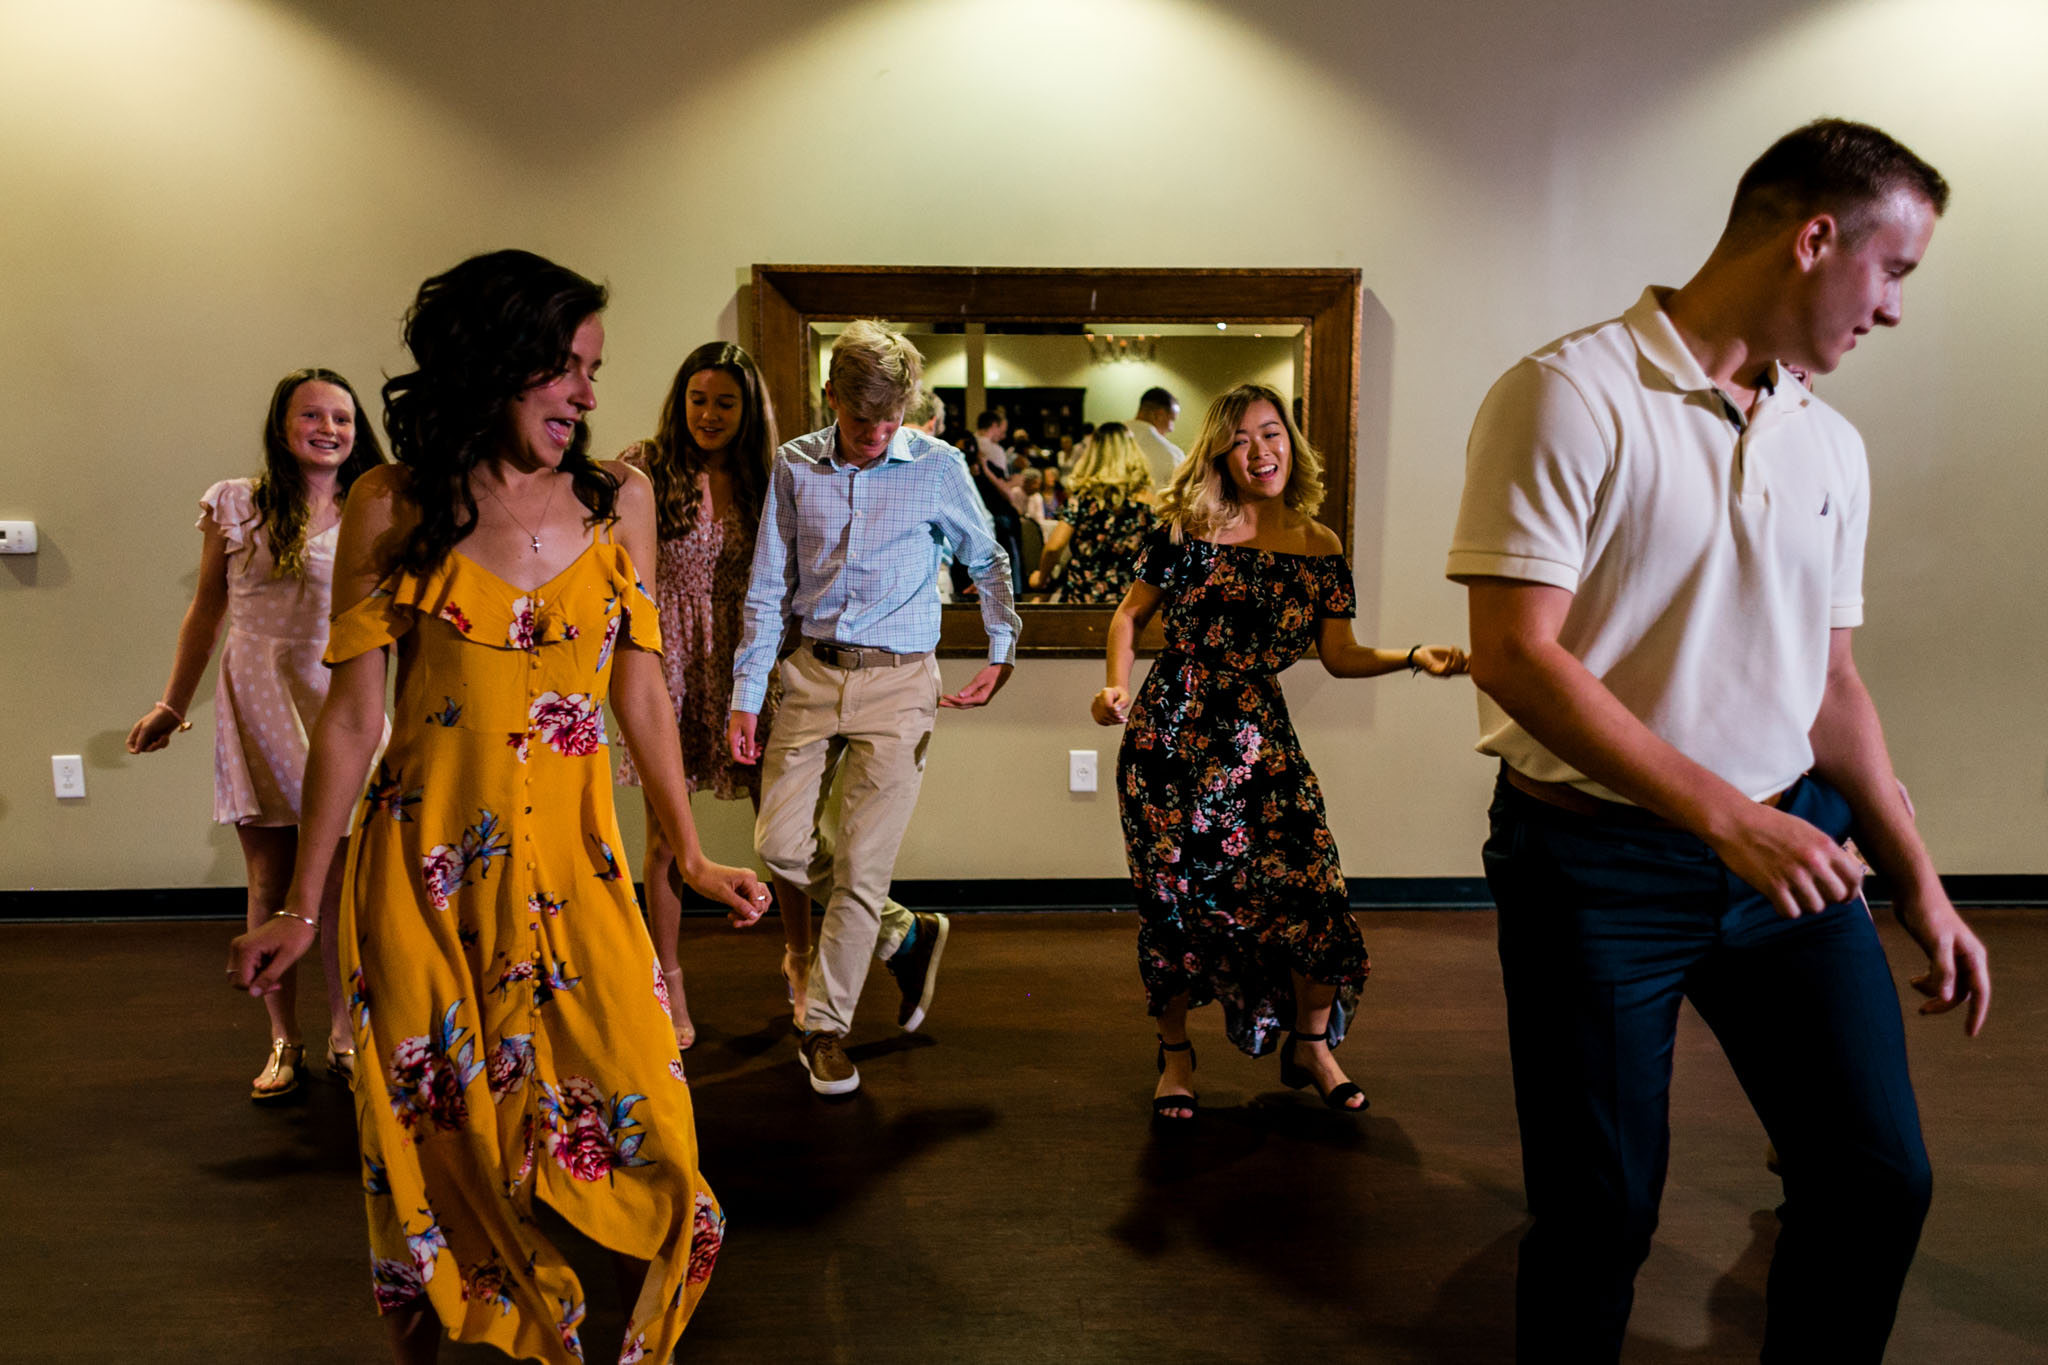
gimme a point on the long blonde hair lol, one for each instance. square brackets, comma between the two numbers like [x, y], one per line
[1201, 500]
[1111, 468]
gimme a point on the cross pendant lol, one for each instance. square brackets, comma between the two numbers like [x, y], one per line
[536, 544]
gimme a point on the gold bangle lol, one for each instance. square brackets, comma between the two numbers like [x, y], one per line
[289, 914]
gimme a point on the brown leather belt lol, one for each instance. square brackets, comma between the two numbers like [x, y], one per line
[860, 656]
[1565, 796]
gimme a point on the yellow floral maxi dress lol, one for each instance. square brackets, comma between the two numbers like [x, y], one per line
[508, 1009]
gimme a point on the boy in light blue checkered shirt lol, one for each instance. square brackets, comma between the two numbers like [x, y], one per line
[848, 555]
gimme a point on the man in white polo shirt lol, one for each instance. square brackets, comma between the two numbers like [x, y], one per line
[1662, 538]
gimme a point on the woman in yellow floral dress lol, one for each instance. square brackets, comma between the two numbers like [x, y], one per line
[509, 1014]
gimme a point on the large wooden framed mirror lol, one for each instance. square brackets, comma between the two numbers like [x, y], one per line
[1097, 335]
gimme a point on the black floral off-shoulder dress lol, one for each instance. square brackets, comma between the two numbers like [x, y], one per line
[1237, 876]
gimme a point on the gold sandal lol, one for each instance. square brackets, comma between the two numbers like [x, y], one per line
[686, 1032]
[280, 1075]
[341, 1064]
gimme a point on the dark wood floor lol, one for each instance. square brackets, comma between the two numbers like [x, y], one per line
[993, 1192]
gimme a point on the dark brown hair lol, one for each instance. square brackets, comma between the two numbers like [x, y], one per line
[1829, 166]
[673, 460]
[481, 334]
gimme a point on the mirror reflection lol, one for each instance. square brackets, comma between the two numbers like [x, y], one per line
[1071, 429]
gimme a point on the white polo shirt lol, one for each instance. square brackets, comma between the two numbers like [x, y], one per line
[1708, 555]
[1161, 454]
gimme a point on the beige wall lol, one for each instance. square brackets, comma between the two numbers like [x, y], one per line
[203, 194]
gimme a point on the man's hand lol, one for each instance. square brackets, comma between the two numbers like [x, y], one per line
[1798, 869]
[1958, 968]
[981, 689]
[740, 738]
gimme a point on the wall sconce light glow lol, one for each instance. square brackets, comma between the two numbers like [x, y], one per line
[1222, 326]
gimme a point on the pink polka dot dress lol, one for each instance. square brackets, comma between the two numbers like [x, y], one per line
[271, 681]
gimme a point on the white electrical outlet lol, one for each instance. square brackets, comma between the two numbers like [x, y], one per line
[68, 770]
[17, 537]
[1080, 770]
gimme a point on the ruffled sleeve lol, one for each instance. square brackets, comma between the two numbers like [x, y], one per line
[1333, 591]
[230, 507]
[1158, 558]
[642, 617]
[393, 608]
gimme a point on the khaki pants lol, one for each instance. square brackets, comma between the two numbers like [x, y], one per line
[868, 728]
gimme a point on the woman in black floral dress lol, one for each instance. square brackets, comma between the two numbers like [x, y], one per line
[1105, 525]
[1241, 896]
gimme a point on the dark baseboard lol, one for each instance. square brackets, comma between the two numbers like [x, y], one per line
[2029, 891]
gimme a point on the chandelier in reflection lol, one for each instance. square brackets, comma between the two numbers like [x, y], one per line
[1107, 350]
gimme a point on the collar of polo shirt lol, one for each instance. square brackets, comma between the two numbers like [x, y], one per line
[1657, 338]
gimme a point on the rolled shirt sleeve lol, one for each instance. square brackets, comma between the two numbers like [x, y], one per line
[1534, 467]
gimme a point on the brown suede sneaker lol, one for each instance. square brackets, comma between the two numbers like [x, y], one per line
[832, 1071]
[916, 970]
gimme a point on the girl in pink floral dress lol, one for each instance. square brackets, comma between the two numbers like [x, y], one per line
[265, 571]
[709, 464]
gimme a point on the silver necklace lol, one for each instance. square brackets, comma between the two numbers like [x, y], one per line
[531, 534]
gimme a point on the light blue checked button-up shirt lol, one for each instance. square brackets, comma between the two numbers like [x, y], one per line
[852, 555]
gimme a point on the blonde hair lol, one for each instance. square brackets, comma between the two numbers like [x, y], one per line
[875, 370]
[1202, 501]
[923, 408]
[1111, 466]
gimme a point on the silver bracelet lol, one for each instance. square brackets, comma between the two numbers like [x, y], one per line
[289, 914]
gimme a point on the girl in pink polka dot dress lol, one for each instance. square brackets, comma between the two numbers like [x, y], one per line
[265, 571]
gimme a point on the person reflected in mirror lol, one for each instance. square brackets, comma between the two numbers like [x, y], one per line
[708, 463]
[511, 1021]
[1241, 898]
[266, 570]
[1007, 523]
[1102, 531]
[1027, 499]
[846, 557]
[927, 413]
[1662, 542]
[989, 430]
[1158, 410]
[1052, 494]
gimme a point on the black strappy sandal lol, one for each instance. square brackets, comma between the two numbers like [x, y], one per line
[1162, 1103]
[1294, 1076]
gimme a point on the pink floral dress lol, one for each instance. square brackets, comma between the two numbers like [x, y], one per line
[271, 683]
[700, 584]
[510, 1017]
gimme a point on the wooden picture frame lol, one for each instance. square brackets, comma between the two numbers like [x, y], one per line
[1325, 303]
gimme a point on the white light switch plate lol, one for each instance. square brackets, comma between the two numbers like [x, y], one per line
[68, 771]
[17, 537]
[1080, 770]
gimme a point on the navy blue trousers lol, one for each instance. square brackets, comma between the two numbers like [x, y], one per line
[1605, 924]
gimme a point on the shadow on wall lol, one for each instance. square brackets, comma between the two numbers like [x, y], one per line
[581, 65]
[1422, 63]
[1369, 472]
[46, 568]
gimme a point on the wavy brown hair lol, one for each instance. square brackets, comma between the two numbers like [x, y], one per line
[280, 494]
[480, 335]
[1201, 500]
[674, 461]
